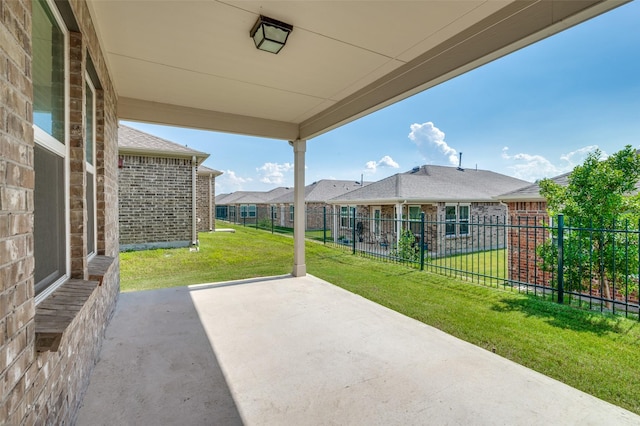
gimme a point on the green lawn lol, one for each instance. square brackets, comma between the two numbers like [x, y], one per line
[491, 263]
[598, 354]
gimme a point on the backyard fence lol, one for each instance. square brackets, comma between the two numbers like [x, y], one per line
[594, 266]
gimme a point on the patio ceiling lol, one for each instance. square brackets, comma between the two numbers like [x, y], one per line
[193, 64]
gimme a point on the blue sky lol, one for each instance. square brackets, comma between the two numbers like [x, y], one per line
[532, 114]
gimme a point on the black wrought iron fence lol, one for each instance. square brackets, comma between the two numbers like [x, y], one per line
[592, 266]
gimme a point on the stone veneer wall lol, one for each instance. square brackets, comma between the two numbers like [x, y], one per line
[39, 386]
[155, 199]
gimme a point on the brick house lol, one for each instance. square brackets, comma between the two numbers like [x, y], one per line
[451, 198]
[205, 198]
[248, 206]
[316, 196]
[527, 213]
[157, 191]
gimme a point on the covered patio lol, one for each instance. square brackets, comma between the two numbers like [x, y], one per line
[300, 351]
[295, 349]
[194, 64]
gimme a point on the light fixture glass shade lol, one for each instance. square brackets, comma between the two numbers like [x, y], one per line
[269, 34]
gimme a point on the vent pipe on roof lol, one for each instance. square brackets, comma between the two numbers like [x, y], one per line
[460, 163]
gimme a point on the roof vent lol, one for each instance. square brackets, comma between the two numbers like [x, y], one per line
[415, 170]
[460, 163]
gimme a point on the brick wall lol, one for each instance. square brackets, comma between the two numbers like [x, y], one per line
[155, 199]
[205, 202]
[47, 387]
[527, 220]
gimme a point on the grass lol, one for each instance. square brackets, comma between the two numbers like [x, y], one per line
[490, 263]
[594, 353]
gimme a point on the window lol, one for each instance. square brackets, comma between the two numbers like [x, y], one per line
[89, 141]
[463, 219]
[377, 215]
[274, 211]
[456, 215]
[346, 216]
[415, 215]
[291, 213]
[248, 210]
[51, 206]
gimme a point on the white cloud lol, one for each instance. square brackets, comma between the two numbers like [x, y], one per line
[386, 161]
[273, 173]
[426, 136]
[230, 181]
[532, 166]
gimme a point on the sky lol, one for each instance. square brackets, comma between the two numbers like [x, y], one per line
[532, 114]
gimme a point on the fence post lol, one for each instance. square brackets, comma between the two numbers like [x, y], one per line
[560, 258]
[272, 217]
[421, 240]
[324, 225]
[353, 231]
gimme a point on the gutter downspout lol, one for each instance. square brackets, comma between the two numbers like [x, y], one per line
[194, 232]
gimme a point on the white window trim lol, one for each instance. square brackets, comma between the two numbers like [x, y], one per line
[377, 222]
[468, 220]
[91, 168]
[47, 141]
[456, 222]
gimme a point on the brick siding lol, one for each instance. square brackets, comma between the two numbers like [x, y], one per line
[155, 199]
[47, 387]
[205, 202]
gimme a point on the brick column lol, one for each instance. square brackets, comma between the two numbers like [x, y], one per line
[77, 165]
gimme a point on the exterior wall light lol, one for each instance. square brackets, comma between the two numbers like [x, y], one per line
[269, 34]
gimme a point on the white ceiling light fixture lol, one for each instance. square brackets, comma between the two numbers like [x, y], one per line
[269, 34]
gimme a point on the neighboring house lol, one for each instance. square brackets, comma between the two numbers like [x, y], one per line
[451, 198]
[316, 196]
[205, 198]
[529, 219]
[157, 191]
[248, 206]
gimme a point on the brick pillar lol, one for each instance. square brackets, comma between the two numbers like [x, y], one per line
[100, 174]
[77, 165]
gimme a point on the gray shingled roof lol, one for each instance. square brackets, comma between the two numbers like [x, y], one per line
[532, 192]
[137, 142]
[206, 170]
[434, 184]
[322, 190]
[252, 197]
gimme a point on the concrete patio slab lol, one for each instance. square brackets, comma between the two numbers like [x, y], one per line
[300, 351]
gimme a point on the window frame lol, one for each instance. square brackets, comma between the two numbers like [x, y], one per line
[61, 149]
[291, 208]
[376, 214]
[91, 171]
[349, 216]
[455, 221]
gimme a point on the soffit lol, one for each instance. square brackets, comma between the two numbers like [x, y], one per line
[192, 63]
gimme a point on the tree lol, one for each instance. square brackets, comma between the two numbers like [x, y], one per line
[601, 196]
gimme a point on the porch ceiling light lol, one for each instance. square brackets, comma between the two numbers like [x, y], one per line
[269, 34]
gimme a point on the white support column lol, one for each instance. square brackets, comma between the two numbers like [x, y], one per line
[299, 266]
[399, 208]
